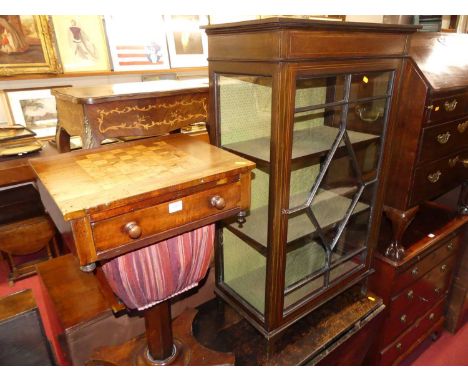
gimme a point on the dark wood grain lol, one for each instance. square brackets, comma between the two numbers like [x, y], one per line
[415, 288]
[320, 338]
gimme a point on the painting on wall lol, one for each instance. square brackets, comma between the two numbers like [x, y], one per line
[82, 43]
[34, 109]
[187, 43]
[137, 42]
[26, 45]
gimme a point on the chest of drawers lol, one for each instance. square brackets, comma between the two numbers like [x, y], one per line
[430, 147]
[415, 289]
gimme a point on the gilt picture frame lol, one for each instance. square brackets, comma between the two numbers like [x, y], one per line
[33, 108]
[82, 43]
[186, 42]
[137, 43]
[26, 46]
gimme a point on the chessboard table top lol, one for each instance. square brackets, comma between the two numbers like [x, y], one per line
[118, 174]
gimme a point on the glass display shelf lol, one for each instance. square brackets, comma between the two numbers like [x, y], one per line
[307, 143]
[329, 208]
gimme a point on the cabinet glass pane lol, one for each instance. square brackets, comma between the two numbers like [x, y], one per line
[244, 270]
[245, 114]
[335, 161]
[373, 84]
[319, 91]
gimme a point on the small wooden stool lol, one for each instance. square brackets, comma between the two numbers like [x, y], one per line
[27, 238]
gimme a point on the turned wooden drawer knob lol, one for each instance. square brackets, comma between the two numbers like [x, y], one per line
[398, 346]
[415, 271]
[133, 230]
[218, 202]
[410, 294]
[431, 316]
[403, 318]
[437, 290]
[450, 246]
[443, 268]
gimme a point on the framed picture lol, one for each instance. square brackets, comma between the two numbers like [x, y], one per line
[26, 45]
[187, 43]
[34, 109]
[137, 42]
[82, 43]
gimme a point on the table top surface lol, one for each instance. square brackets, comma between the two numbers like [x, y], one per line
[94, 180]
[130, 90]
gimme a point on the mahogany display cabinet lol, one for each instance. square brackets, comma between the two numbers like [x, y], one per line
[310, 103]
[431, 156]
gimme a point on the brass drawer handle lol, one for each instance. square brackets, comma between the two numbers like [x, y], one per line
[443, 138]
[133, 230]
[434, 177]
[453, 162]
[410, 294]
[443, 268]
[450, 246]
[462, 126]
[403, 318]
[431, 316]
[218, 202]
[415, 271]
[450, 105]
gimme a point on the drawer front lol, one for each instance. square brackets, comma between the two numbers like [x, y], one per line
[443, 140]
[437, 177]
[140, 224]
[396, 351]
[414, 301]
[416, 270]
[444, 109]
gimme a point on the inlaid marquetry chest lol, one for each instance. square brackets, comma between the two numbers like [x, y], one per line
[128, 109]
[430, 149]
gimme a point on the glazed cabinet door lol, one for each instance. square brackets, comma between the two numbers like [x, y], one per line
[338, 130]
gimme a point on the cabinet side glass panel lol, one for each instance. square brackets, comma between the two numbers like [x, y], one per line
[245, 126]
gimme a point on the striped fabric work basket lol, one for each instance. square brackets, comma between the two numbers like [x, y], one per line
[145, 277]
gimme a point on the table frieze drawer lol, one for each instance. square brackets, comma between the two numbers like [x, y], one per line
[435, 178]
[419, 297]
[447, 108]
[416, 270]
[442, 140]
[144, 223]
[395, 352]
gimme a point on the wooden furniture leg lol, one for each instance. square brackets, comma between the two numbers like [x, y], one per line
[400, 222]
[162, 344]
[63, 140]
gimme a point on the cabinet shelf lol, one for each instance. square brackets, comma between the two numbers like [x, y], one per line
[329, 208]
[308, 143]
[249, 284]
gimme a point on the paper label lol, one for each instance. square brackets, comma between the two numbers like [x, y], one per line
[175, 206]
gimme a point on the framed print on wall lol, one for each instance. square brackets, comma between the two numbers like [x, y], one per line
[187, 43]
[82, 43]
[137, 42]
[26, 45]
[34, 109]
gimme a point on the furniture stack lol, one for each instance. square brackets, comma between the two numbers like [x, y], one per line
[422, 248]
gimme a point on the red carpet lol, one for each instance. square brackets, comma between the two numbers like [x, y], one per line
[447, 350]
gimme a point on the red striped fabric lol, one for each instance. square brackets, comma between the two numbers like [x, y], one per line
[156, 273]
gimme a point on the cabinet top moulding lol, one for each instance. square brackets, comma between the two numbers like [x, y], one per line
[98, 73]
[285, 39]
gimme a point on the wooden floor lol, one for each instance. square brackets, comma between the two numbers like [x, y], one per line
[447, 350]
